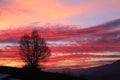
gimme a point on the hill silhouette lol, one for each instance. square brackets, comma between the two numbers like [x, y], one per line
[104, 72]
[24, 74]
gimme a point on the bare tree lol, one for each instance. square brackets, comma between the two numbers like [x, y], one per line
[33, 49]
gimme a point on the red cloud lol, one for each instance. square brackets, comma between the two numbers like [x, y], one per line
[68, 44]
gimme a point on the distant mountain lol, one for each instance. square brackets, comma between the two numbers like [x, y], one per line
[105, 72]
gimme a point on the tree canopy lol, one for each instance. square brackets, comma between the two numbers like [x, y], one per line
[33, 49]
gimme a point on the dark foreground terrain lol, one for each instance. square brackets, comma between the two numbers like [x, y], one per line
[24, 74]
[104, 72]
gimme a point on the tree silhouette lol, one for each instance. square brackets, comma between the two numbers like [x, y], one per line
[33, 49]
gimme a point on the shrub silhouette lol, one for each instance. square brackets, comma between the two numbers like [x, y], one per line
[33, 49]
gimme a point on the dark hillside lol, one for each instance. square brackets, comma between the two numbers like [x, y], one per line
[24, 74]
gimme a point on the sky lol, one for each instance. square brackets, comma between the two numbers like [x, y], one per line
[59, 22]
[85, 13]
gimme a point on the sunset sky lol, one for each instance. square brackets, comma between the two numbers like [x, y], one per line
[60, 23]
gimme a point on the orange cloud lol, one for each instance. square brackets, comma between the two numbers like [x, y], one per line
[24, 12]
